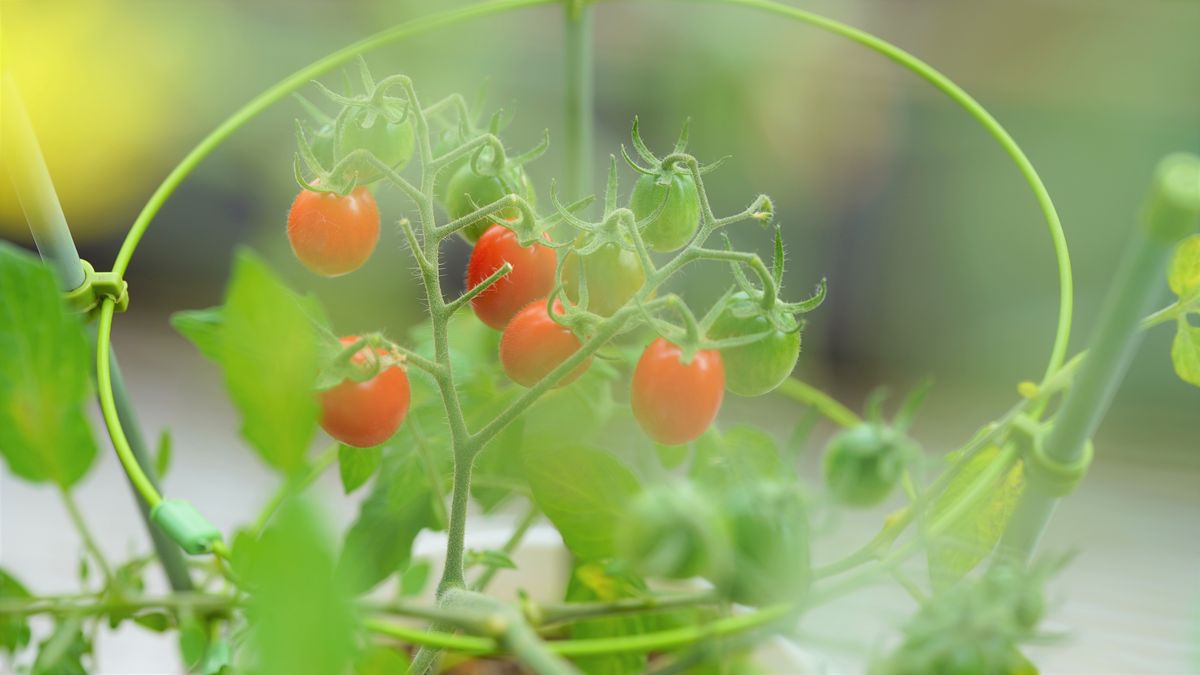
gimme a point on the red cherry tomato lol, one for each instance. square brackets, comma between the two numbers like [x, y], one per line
[333, 235]
[365, 414]
[533, 345]
[674, 402]
[532, 275]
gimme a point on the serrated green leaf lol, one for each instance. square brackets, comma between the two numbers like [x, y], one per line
[162, 458]
[382, 661]
[301, 615]
[44, 376]
[742, 457]
[14, 630]
[1184, 275]
[1185, 353]
[414, 579]
[357, 465]
[379, 542]
[268, 350]
[584, 492]
[965, 544]
[202, 327]
[590, 583]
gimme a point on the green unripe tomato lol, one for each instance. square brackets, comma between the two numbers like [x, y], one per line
[769, 524]
[680, 216]
[613, 276]
[672, 532]
[467, 191]
[863, 464]
[759, 367]
[392, 143]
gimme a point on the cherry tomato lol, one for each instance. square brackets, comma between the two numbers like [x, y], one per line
[531, 277]
[333, 235]
[674, 402]
[769, 523]
[533, 345]
[467, 191]
[759, 367]
[613, 276]
[680, 216]
[863, 464]
[392, 142]
[365, 414]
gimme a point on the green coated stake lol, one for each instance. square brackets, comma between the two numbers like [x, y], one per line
[1172, 211]
[39, 201]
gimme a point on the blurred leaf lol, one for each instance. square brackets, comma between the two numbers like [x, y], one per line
[414, 579]
[62, 653]
[84, 570]
[162, 458]
[14, 630]
[202, 327]
[1185, 353]
[193, 642]
[583, 491]
[500, 462]
[268, 351]
[379, 542]
[975, 534]
[382, 661]
[153, 621]
[357, 465]
[44, 376]
[800, 432]
[742, 457]
[1184, 277]
[671, 456]
[577, 411]
[590, 583]
[301, 616]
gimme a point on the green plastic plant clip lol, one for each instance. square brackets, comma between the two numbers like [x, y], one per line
[1054, 477]
[184, 524]
[1173, 205]
[97, 286]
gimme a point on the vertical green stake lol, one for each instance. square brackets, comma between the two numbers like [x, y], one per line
[580, 91]
[31, 179]
[1172, 211]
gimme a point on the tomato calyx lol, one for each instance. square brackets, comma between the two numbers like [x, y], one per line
[357, 361]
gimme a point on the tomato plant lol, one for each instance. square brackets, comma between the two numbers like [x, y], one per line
[367, 413]
[333, 234]
[655, 486]
[533, 344]
[531, 276]
[675, 399]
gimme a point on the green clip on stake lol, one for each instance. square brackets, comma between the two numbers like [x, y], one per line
[97, 286]
[184, 524]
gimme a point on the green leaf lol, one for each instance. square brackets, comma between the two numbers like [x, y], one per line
[162, 458]
[965, 544]
[379, 542]
[590, 583]
[414, 579]
[44, 376]
[203, 328]
[741, 458]
[1184, 276]
[357, 465]
[14, 630]
[1185, 353]
[491, 558]
[268, 350]
[584, 492]
[154, 621]
[62, 652]
[193, 642]
[499, 465]
[301, 616]
[382, 661]
[671, 456]
[577, 411]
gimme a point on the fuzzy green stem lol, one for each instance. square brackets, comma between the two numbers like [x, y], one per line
[823, 403]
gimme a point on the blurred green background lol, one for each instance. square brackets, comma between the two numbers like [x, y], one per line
[937, 258]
